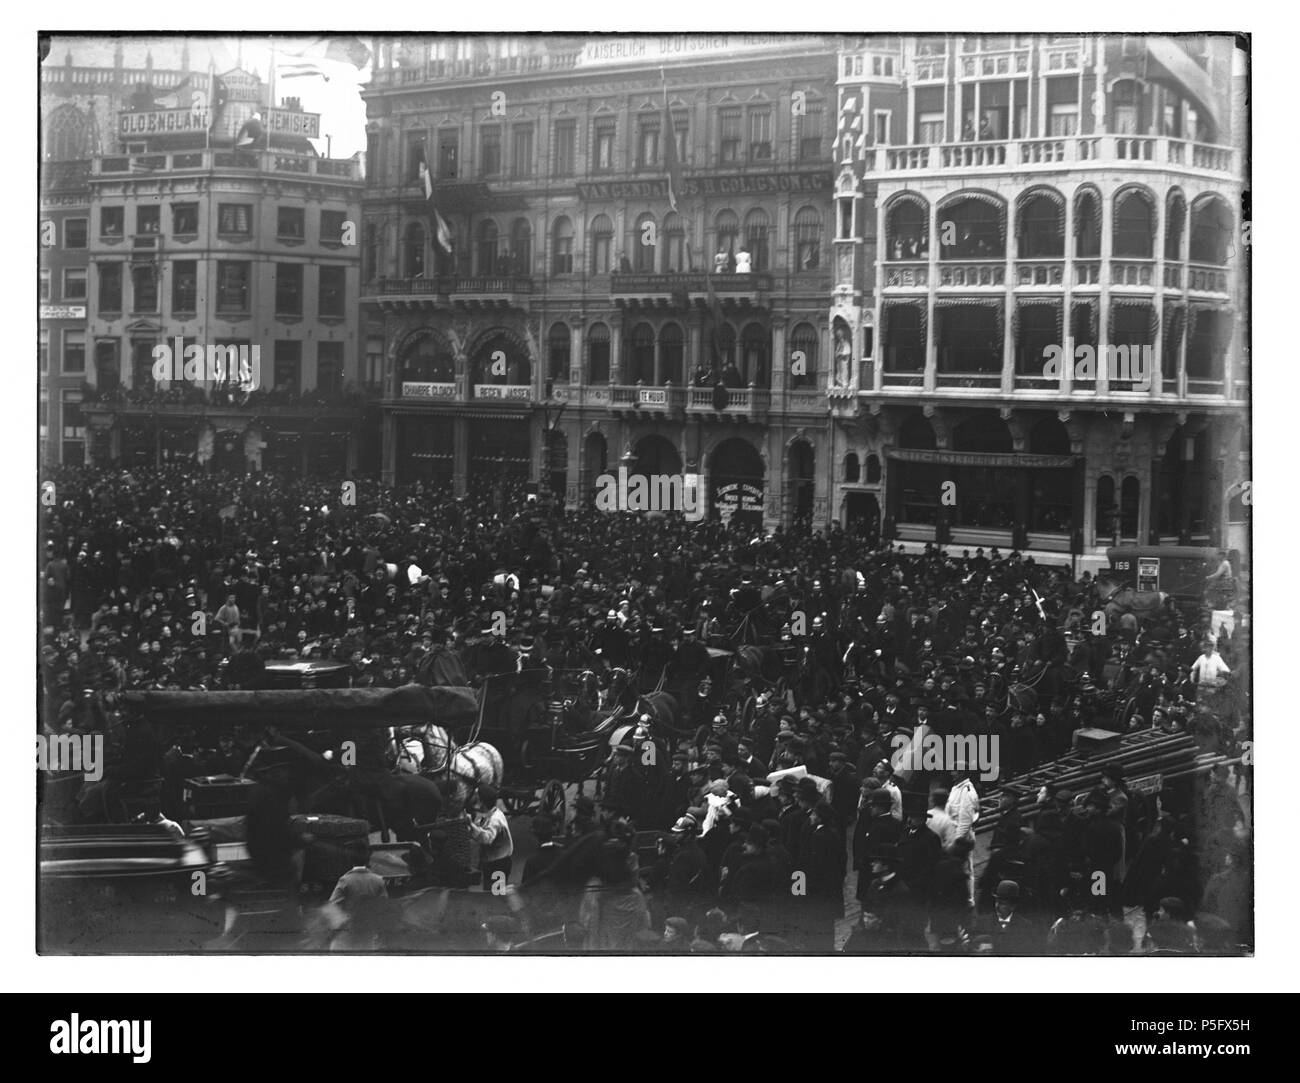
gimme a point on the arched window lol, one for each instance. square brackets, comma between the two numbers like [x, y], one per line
[976, 230]
[562, 246]
[671, 353]
[487, 247]
[756, 349]
[67, 136]
[873, 470]
[803, 356]
[756, 235]
[907, 231]
[1212, 230]
[598, 354]
[1042, 228]
[645, 243]
[852, 469]
[727, 227]
[1134, 233]
[641, 355]
[602, 245]
[1087, 225]
[673, 243]
[1106, 509]
[1130, 494]
[413, 251]
[429, 359]
[521, 247]
[557, 352]
[1175, 223]
[1125, 104]
[807, 239]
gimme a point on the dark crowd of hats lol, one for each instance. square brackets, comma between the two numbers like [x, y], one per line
[857, 641]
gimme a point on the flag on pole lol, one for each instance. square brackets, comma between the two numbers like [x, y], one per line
[440, 228]
[671, 162]
[339, 50]
[715, 320]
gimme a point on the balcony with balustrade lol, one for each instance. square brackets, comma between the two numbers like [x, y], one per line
[636, 290]
[188, 162]
[447, 291]
[1140, 154]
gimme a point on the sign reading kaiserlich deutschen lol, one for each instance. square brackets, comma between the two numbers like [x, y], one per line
[740, 185]
[653, 49]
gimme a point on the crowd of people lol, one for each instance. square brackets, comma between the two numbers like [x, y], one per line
[172, 578]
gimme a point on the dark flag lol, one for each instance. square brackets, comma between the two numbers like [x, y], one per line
[671, 162]
[440, 228]
[251, 131]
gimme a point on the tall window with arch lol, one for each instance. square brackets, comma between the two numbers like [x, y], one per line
[557, 353]
[671, 354]
[673, 242]
[413, 251]
[803, 356]
[602, 245]
[907, 231]
[487, 247]
[756, 351]
[727, 228]
[1134, 233]
[757, 231]
[641, 355]
[562, 246]
[1106, 511]
[645, 243]
[598, 354]
[807, 245]
[521, 248]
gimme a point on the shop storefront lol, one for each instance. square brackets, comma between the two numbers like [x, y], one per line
[1007, 499]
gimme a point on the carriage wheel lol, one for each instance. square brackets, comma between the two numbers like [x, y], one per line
[555, 801]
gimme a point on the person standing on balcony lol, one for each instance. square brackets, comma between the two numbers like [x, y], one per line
[743, 260]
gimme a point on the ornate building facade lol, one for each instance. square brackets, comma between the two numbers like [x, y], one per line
[187, 239]
[1000, 199]
[580, 323]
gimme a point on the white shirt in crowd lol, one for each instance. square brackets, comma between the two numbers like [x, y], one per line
[964, 808]
[1210, 669]
[938, 821]
[492, 833]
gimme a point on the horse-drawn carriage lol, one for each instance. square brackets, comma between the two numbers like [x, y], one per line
[560, 728]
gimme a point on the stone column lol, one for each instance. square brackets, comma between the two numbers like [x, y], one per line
[616, 351]
[780, 380]
[931, 343]
[1103, 314]
[576, 379]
